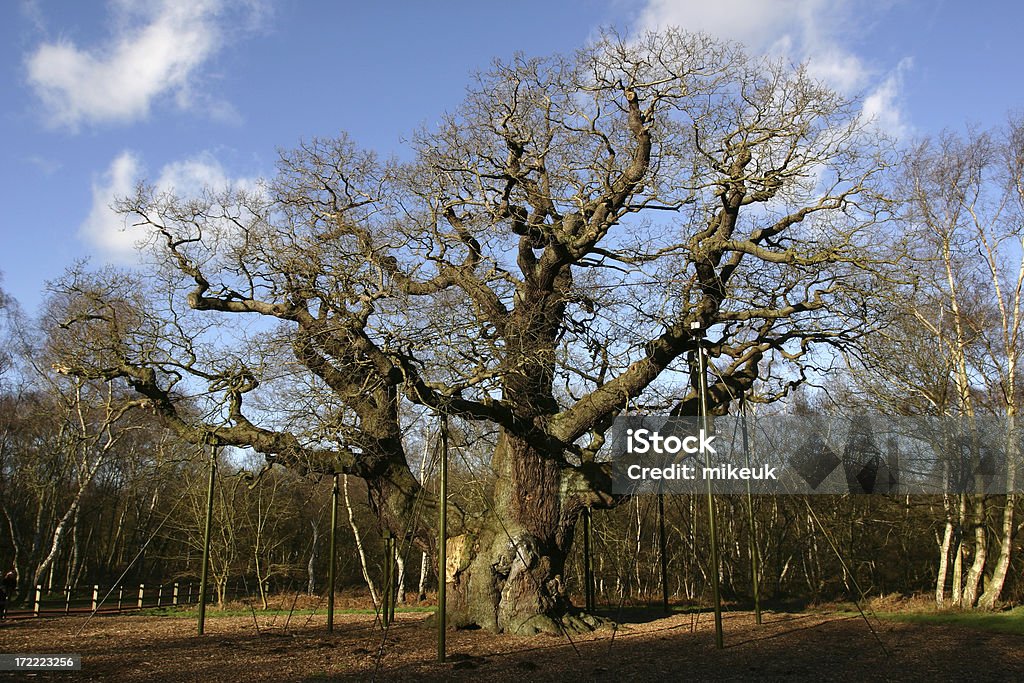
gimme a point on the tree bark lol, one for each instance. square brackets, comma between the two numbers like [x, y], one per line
[994, 588]
[400, 581]
[507, 574]
[359, 543]
[972, 582]
[422, 588]
[957, 595]
[311, 577]
[943, 572]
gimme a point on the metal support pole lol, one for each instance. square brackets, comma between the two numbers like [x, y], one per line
[385, 605]
[393, 561]
[663, 552]
[754, 552]
[588, 560]
[207, 530]
[332, 561]
[442, 534]
[702, 385]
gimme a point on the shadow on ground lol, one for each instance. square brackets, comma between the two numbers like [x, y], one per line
[646, 646]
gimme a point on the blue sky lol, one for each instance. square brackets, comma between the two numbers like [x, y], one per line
[100, 95]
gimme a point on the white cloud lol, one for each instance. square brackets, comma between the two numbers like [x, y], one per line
[882, 105]
[758, 24]
[103, 228]
[809, 31]
[839, 69]
[804, 30]
[155, 49]
[189, 177]
[110, 234]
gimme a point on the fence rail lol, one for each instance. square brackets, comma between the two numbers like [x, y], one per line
[121, 598]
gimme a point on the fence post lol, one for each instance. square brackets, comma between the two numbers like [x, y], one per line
[142, 592]
[67, 599]
[174, 595]
[159, 594]
[120, 596]
[95, 598]
[38, 599]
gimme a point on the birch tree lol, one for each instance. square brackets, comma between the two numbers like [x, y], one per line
[957, 348]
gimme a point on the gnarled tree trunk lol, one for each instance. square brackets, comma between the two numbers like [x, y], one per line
[508, 575]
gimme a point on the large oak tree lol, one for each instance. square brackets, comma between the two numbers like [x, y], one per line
[537, 266]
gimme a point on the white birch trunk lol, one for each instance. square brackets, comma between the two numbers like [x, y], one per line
[359, 545]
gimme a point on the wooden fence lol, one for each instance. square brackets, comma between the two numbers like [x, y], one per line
[94, 599]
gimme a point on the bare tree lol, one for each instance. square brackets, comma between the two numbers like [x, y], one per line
[86, 436]
[954, 348]
[269, 521]
[537, 267]
[82, 423]
[966, 197]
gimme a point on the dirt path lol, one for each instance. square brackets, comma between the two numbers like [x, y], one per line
[805, 646]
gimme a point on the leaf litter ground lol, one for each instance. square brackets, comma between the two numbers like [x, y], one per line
[788, 645]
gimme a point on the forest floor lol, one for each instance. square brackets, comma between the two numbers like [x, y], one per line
[825, 645]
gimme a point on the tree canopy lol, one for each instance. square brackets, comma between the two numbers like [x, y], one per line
[550, 257]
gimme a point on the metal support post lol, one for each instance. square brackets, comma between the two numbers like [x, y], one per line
[705, 424]
[751, 523]
[385, 605]
[207, 530]
[332, 561]
[442, 534]
[588, 559]
[663, 552]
